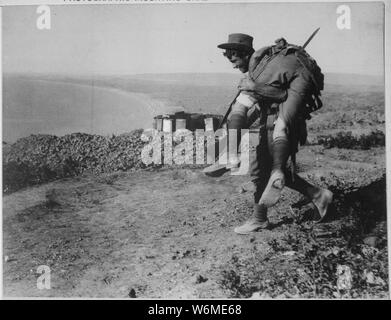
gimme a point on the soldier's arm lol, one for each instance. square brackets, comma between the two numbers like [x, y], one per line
[270, 92]
[263, 91]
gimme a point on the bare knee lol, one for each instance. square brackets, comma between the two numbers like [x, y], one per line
[280, 129]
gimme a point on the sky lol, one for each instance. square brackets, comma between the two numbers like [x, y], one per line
[174, 38]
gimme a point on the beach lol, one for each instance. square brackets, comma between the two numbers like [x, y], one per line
[35, 106]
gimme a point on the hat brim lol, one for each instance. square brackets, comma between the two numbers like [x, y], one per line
[234, 46]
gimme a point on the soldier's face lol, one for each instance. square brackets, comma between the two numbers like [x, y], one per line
[238, 59]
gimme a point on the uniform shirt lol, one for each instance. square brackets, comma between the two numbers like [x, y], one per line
[276, 70]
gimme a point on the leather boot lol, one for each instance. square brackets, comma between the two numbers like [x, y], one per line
[216, 170]
[273, 189]
[257, 222]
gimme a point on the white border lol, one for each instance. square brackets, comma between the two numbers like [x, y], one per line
[154, 2]
[387, 105]
[1, 152]
[387, 79]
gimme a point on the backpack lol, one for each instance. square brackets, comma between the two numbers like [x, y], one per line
[314, 102]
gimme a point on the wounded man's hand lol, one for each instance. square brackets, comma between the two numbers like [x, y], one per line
[246, 84]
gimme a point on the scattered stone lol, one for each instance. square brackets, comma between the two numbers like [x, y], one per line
[371, 241]
[323, 234]
[132, 293]
[201, 279]
[368, 251]
[186, 253]
[107, 280]
[255, 296]
[335, 251]
[6, 258]
[344, 278]
[337, 295]
[371, 279]
[260, 296]
[289, 253]
[252, 239]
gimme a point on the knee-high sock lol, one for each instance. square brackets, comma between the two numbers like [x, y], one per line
[260, 212]
[281, 152]
[260, 184]
[237, 121]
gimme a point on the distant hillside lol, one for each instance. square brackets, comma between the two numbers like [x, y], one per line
[353, 79]
[201, 79]
[227, 79]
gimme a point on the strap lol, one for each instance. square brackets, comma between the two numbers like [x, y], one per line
[270, 121]
[293, 166]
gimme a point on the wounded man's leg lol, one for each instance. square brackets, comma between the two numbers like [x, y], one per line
[320, 197]
[280, 155]
[281, 146]
[288, 114]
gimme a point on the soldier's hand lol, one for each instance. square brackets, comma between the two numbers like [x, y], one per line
[246, 84]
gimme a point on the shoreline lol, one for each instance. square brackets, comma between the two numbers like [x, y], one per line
[140, 115]
[152, 103]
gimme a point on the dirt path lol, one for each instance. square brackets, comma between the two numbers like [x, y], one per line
[161, 234]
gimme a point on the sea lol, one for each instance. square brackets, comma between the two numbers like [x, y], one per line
[33, 106]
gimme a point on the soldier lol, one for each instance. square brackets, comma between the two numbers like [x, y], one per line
[281, 82]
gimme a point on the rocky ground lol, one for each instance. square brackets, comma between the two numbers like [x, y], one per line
[137, 232]
[168, 233]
